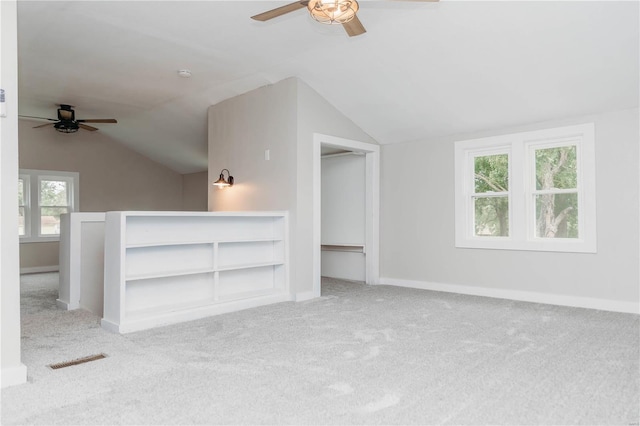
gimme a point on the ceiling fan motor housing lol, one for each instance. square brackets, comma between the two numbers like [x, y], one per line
[66, 113]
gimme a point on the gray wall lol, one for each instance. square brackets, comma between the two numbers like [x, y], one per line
[112, 177]
[195, 191]
[240, 130]
[417, 221]
[282, 118]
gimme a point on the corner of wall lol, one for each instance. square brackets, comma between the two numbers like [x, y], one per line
[12, 371]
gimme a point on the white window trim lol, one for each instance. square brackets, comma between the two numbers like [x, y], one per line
[521, 188]
[26, 188]
[32, 180]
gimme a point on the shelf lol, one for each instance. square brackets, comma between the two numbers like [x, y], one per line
[353, 248]
[248, 266]
[195, 242]
[202, 271]
[166, 243]
[168, 274]
[253, 240]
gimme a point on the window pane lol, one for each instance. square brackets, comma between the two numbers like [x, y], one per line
[492, 216]
[557, 216]
[53, 193]
[556, 168]
[20, 192]
[50, 220]
[491, 173]
[21, 229]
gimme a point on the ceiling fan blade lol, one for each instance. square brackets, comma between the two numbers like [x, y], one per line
[354, 27]
[39, 118]
[44, 125]
[98, 120]
[90, 128]
[279, 11]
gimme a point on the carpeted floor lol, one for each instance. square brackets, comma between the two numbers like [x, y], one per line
[357, 355]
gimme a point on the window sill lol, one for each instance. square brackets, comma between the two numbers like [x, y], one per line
[560, 245]
[52, 239]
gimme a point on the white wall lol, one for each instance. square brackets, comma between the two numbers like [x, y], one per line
[343, 215]
[13, 371]
[282, 118]
[417, 226]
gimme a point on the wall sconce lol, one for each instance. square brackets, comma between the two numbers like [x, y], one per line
[222, 182]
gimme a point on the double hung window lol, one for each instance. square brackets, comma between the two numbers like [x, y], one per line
[527, 191]
[42, 197]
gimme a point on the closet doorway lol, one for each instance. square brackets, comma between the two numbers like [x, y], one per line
[346, 209]
[342, 223]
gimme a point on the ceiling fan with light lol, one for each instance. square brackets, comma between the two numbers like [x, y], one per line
[67, 123]
[325, 11]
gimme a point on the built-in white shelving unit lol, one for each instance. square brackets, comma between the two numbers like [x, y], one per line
[168, 267]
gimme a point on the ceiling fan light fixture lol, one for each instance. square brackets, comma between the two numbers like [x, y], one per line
[66, 126]
[333, 11]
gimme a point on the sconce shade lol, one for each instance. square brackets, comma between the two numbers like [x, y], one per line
[333, 11]
[222, 182]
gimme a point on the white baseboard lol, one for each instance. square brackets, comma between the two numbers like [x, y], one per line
[39, 269]
[62, 304]
[161, 319]
[524, 296]
[12, 376]
[307, 295]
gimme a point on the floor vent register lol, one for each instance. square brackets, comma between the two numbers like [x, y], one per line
[76, 361]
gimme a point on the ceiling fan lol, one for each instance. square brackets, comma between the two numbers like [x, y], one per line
[67, 123]
[325, 11]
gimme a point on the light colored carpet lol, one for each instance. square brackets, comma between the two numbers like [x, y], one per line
[357, 355]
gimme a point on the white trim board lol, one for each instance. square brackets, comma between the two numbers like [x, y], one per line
[303, 296]
[11, 376]
[39, 269]
[523, 296]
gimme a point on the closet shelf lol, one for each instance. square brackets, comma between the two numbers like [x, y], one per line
[353, 248]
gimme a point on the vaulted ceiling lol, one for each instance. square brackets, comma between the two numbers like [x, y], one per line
[422, 71]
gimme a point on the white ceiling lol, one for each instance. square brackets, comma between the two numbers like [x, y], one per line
[423, 70]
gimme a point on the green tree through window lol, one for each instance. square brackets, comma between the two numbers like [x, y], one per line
[556, 195]
[491, 198]
[54, 201]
